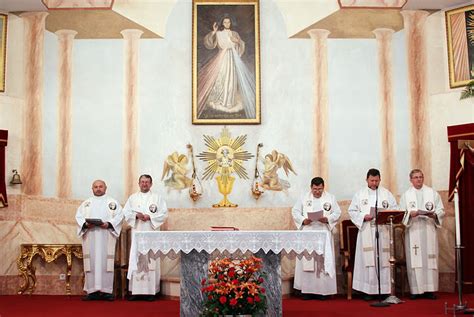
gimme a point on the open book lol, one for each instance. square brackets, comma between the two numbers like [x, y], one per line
[315, 215]
[425, 212]
[215, 228]
[94, 221]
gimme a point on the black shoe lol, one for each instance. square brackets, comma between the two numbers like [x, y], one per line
[108, 297]
[414, 296]
[92, 296]
[320, 297]
[430, 295]
[132, 298]
[149, 298]
[306, 297]
[368, 297]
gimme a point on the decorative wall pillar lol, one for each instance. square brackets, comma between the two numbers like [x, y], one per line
[131, 148]
[63, 177]
[384, 53]
[414, 24]
[32, 156]
[320, 155]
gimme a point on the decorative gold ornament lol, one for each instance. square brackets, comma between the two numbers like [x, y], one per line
[256, 192]
[176, 164]
[224, 157]
[195, 191]
[273, 162]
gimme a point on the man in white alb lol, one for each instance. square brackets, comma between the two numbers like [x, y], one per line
[145, 211]
[100, 220]
[424, 215]
[361, 211]
[311, 277]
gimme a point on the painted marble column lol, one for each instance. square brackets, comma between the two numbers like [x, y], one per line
[131, 147]
[414, 24]
[63, 177]
[320, 155]
[384, 53]
[32, 156]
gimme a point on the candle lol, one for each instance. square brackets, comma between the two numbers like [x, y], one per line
[456, 217]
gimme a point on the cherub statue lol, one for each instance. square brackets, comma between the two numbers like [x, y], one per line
[273, 162]
[176, 165]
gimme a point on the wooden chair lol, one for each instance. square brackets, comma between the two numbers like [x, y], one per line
[122, 254]
[400, 258]
[348, 240]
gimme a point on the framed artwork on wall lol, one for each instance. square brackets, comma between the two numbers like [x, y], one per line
[226, 62]
[3, 49]
[460, 32]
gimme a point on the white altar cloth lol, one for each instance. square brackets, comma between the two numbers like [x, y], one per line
[289, 243]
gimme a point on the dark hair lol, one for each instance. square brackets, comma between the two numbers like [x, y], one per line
[373, 172]
[221, 22]
[317, 181]
[146, 176]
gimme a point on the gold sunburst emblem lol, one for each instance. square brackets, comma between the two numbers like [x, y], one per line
[225, 156]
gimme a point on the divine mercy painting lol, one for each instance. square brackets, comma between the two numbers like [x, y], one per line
[226, 65]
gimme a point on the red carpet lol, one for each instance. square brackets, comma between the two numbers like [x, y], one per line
[37, 305]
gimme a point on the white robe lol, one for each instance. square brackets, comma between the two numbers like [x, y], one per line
[421, 241]
[98, 245]
[146, 280]
[308, 278]
[365, 272]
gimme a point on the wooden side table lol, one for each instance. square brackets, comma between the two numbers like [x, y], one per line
[49, 253]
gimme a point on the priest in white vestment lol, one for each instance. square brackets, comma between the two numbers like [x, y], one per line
[365, 263]
[99, 219]
[311, 277]
[145, 211]
[424, 215]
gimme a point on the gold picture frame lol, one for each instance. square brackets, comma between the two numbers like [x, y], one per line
[460, 34]
[226, 62]
[3, 49]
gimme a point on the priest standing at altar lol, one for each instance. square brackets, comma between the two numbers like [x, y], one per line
[145, 211]
[361, 211]
[424, 215]
[100, 220]
[311, 277]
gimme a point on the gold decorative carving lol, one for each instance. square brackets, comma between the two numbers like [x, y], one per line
[256, 191]
[273, 162]
[195, 191]
[176, 165]
[224, 157]
[49, 253]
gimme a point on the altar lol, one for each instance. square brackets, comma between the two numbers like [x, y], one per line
[195, 248]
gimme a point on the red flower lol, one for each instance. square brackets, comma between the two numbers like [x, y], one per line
[250, 300]
[262, 290]
[257, 298]
[233, 302]
[231, 273]
[221, 276]
[209, 297]
[223, 299]
[235, 282]
[260, 279]
[203, 281]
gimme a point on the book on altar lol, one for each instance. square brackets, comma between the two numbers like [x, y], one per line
[94, 221]
[379, 209]
[315, 215]
[425, 212]
[215, 228]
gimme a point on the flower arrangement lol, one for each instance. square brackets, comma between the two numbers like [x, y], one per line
[234, 287]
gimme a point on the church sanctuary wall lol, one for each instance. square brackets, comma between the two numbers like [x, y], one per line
[287, 90]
